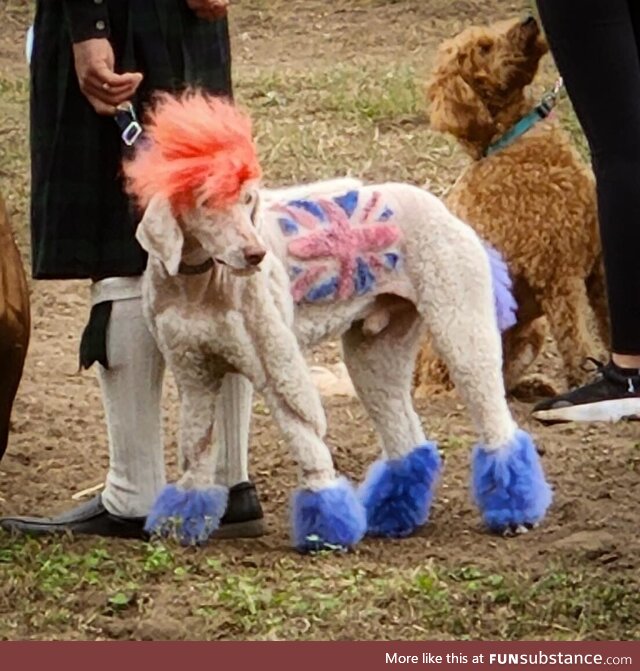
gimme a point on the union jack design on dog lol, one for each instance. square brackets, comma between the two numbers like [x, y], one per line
[339, 247]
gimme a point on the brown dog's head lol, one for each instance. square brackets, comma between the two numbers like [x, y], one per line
[477, 87]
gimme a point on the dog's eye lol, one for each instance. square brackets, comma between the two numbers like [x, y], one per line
[486, 47]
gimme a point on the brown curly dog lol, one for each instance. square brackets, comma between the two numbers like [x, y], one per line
[533, 200]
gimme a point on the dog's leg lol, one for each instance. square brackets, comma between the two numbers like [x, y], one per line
[11, 366]
[326, 512]
[190, 510]
[566, 306]
[431, 376]
[398, 489]
[457, 303]
[522, 345]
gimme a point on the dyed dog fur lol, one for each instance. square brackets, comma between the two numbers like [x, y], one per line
[376, 265]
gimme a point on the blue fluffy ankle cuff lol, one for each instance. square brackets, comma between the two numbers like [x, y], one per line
[509, 485]
[189, 516]
[397, 493]
[330, 518]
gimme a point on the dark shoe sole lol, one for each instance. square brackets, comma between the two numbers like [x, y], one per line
[18, 529]
[249, 529]
[243, 519]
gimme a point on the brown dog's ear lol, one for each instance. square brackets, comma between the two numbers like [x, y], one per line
[457, 109]
[160, 235]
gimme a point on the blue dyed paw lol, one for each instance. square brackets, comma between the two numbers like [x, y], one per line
[328, 519]
[509, 485]
[189, 516]
[397, 493]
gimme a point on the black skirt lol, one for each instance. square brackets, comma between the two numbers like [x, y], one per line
[82, 224]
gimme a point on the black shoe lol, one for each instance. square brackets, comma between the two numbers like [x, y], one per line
[612, 396]
[89, 518]
[242, 519]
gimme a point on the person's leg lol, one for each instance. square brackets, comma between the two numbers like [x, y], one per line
[626, 352]
[233, 419]
[596, 47]
[130, 372]
[243, 518]
[131, 393]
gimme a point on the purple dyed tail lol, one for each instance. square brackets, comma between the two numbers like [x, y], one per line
[506, 306]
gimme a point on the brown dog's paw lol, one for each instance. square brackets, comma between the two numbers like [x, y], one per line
[534, 387]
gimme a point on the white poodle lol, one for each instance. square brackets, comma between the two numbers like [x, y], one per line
[235, 285]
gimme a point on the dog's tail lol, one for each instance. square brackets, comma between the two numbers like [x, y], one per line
[506, 306]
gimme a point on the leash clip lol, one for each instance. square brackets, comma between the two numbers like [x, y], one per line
[550, 99]
[541, 111]
[130, 128]
[557, 87]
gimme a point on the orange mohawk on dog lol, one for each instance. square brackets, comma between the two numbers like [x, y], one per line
[199, 147]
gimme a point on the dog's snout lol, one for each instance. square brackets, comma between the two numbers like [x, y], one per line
[529, 21]
[254, 255]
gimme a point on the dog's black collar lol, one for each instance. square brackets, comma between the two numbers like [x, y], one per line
[200, 269]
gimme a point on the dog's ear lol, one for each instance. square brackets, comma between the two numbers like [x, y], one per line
[256, 207]
[457, 109]
[160, 235]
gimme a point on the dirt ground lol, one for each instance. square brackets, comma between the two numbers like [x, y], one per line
[334, 87]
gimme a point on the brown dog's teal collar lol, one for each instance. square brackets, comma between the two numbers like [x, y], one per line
[537, 114]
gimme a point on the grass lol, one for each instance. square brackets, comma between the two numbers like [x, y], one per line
[344, 93]
[319, 116]
[365, 120]
[51, 584]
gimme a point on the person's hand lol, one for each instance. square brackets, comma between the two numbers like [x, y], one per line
[102, 87]
[210, 10]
